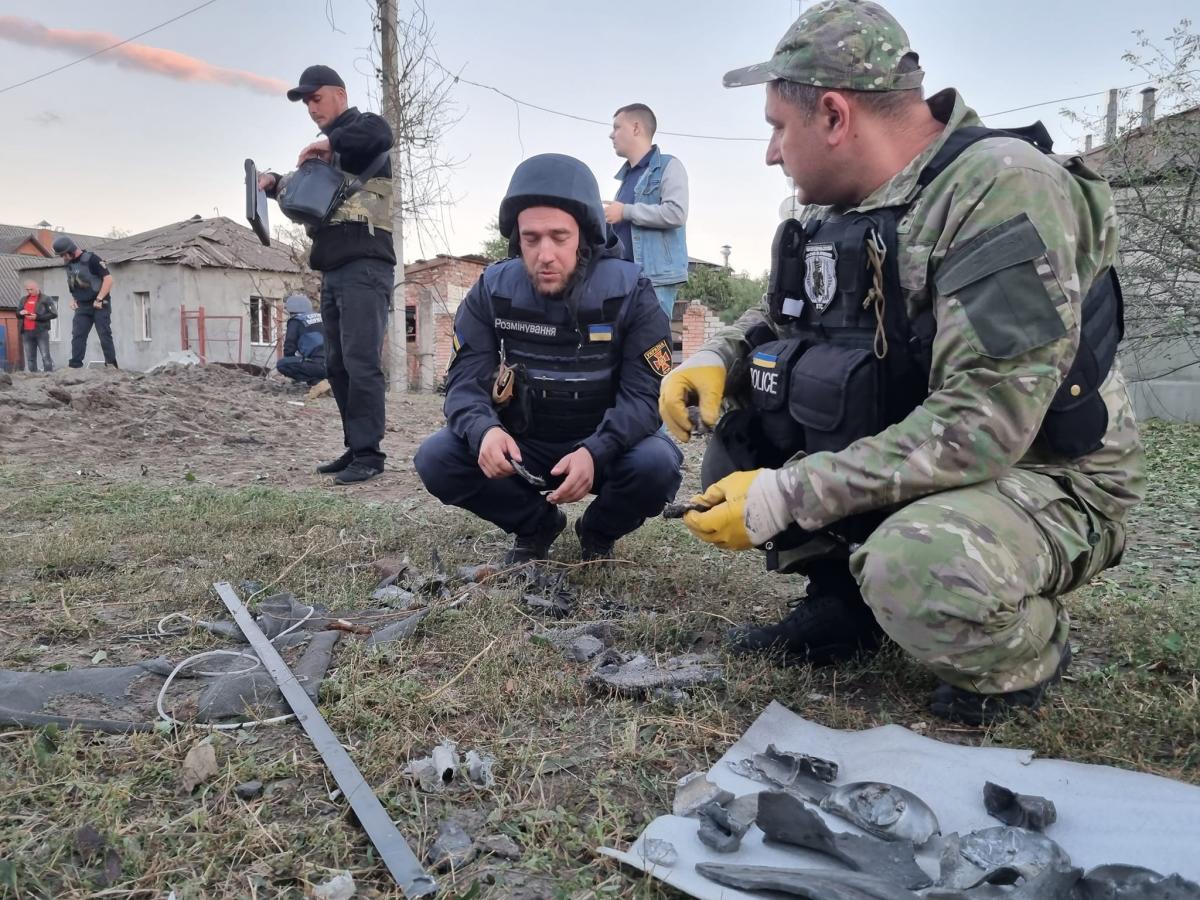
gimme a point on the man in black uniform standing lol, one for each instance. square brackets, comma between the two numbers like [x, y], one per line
[588, 344]
[354, 254]
[91, 285]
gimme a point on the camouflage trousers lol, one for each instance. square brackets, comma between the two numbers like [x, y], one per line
[970, 582]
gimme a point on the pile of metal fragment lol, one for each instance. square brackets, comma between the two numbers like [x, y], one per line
[1013, 861]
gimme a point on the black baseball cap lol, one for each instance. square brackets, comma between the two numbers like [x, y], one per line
[312, 79]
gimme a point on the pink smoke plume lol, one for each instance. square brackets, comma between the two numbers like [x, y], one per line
[134, 56]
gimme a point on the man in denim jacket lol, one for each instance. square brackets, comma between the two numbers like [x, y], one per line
[651, 207]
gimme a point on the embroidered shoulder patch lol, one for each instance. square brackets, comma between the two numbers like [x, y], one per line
[659, 358]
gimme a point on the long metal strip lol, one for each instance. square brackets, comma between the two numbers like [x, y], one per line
[396, 854]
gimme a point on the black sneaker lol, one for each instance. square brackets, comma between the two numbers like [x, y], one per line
[957, 704]
[336, 465]
[592, 547]
[821, 629]
[356, 472]
[529, 547]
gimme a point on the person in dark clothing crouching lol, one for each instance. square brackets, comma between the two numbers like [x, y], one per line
[580, 345]
[353, 252]
[303, 343]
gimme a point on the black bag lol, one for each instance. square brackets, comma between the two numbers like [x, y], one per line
[313, 193]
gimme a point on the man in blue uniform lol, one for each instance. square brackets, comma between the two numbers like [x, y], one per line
[91, 287]
[303, 343]
[587, 344]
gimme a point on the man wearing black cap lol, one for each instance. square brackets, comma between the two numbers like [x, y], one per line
[588, 344]
[91, 290]
[354, 253]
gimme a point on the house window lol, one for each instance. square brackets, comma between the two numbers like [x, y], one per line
[262, 321]
[141, 302]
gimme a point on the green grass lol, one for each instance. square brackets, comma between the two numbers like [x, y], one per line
[91, 565]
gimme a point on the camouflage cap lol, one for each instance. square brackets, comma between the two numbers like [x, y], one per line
[851, 44]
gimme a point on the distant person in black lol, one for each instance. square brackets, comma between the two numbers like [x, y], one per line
[303, 342]
[355, 256]
[91, 287]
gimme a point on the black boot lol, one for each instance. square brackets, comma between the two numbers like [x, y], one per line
[592, 546]
[529, 547]
[336, 465]
[357, 472]
[957, 704]
[830, 623]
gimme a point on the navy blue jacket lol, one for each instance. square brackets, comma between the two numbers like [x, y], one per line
[641, 333]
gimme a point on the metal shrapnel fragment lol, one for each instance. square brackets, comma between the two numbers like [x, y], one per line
[679, 508]
[884, 810]
[1020, 810]
[820, 884]
[785, 818]
[536, 480]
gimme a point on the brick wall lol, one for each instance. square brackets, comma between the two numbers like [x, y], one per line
[699, 324]
[435, 288]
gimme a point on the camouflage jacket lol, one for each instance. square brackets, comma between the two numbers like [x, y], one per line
[983, 410]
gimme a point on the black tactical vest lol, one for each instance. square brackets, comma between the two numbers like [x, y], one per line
[855, 363]
[82, 282]
[570, 367]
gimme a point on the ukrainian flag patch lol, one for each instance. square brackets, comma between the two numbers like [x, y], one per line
[765, 360]
[600, 332]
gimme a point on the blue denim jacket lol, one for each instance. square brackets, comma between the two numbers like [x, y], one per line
[660, 249]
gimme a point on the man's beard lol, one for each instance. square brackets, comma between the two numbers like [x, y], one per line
[583, 257]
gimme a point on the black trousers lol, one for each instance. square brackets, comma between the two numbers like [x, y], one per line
[299, 369]
[81, 326]
[631, 488]
[354, 311]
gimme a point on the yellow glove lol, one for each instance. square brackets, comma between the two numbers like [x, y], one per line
[723, 524]
[699, 381]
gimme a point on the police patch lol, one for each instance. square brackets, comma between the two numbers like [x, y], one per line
[659, 358]
[820, 274]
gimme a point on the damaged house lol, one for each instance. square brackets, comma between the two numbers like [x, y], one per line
[203, 285]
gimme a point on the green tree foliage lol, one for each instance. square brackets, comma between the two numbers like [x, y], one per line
[495, 247]
[725, 292]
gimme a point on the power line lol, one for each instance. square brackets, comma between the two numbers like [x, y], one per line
[1065, 99]
[76, 62]
[567, 115]
[721, 137]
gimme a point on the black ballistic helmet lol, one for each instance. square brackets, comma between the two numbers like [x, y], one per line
[552, 179]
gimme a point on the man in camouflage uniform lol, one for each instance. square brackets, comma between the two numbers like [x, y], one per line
[977, 527]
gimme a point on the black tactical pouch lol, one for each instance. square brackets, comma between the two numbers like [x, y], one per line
[835, 394]
[770, 375]
[785, 287]
[313, 193]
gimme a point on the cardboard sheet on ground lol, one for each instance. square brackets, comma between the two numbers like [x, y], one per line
[1105, 815]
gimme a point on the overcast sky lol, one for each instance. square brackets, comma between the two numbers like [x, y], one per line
[108, 143]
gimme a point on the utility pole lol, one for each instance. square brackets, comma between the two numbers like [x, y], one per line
[389, 78]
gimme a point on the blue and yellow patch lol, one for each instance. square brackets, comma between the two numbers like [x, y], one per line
[455, 346]
[764, 360]
[600, 332]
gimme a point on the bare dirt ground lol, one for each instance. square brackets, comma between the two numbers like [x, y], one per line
[223, 426]
[123, 497]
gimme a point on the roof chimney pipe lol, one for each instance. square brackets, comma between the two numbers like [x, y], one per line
[1087, 143]
[1110, 119]
[1148, 97]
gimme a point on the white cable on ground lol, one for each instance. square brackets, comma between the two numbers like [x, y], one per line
[196, 657]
